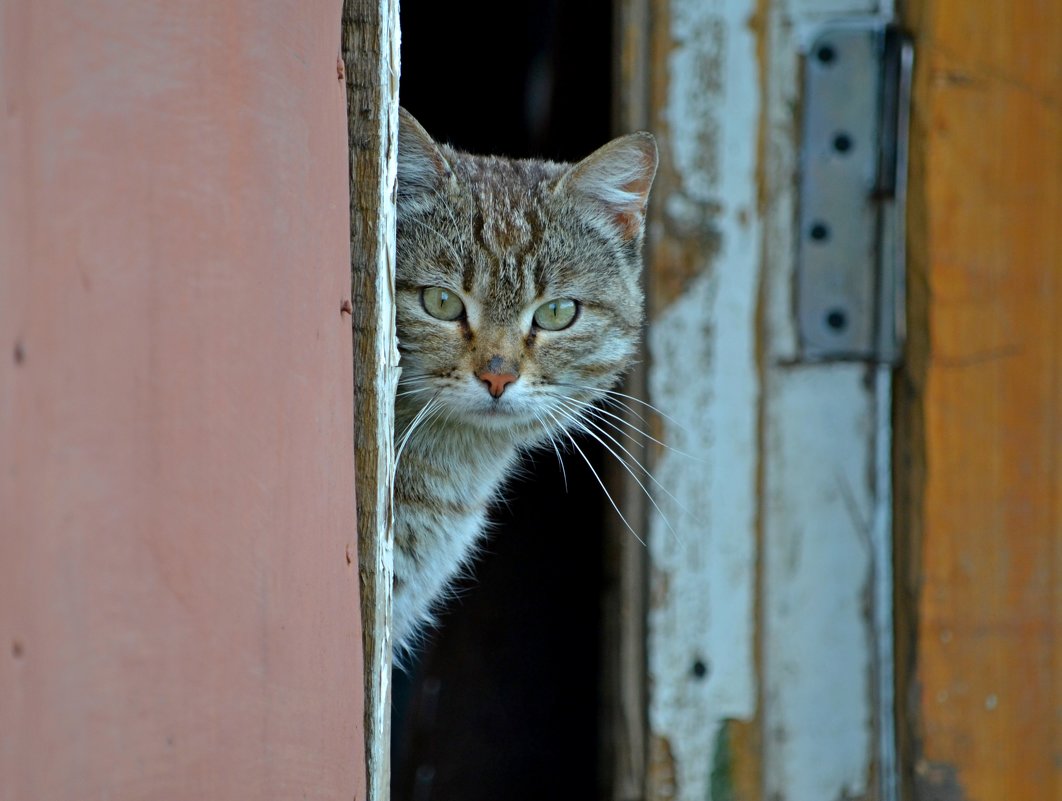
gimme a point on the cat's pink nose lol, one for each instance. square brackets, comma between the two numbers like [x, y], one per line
[496, 382]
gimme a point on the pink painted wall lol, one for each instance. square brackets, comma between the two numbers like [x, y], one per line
[178, 610]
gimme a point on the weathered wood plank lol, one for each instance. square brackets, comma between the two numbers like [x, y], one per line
[370, 53]
[703, 256]
[745, 646]
[982, 443]
[826, 600]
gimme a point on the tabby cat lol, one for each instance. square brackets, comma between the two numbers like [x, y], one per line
[518, 305]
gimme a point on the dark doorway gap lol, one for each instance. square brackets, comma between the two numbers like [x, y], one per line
[503, 702]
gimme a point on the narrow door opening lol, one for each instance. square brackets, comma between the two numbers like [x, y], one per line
[504, 700]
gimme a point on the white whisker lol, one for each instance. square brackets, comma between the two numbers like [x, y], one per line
[613, 393]
[553, 444]
[414, 392]
[422, 416]
[597, 410]
[599, 481]
[581, 424]
[577, 410]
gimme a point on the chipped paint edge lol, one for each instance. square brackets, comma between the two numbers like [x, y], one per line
[701, 667]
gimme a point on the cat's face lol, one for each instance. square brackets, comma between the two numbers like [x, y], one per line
[517, 281]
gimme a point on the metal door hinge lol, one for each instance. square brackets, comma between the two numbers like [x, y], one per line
[853, 175]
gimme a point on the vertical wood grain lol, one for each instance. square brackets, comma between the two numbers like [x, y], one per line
[371, 57]
[981, 448]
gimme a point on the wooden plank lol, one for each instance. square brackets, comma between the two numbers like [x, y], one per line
[761, 652]
[982, 444]
[826, 543]
[703, 255]
[371, 58]
[178, 615]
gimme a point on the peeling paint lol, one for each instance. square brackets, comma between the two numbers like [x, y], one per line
[704, 258]
[662, 772]
[782, 454]
[937, 781]
[684, 251]
[689, 231]
[696, 92]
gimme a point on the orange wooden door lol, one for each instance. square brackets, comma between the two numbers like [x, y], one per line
[178, 573]
[980, 471]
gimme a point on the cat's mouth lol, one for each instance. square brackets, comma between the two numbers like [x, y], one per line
[503, 412]
[498, 410]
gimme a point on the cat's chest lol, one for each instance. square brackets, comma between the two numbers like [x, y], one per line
[443, 485]
[442, 492]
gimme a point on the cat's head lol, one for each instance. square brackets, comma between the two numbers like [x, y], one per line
[518, 282]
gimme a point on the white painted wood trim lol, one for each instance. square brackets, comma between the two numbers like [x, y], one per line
[703, 374]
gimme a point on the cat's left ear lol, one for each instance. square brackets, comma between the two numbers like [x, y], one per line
[616, 178]
[422, 167]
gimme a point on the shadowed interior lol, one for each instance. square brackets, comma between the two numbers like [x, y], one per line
[503, 701]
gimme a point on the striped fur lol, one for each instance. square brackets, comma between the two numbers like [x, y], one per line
[505, 236]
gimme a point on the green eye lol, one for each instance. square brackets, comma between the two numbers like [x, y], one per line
[441, 303]
[556, 314]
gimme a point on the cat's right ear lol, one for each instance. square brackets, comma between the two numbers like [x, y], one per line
[616, 179]
[422, 168]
